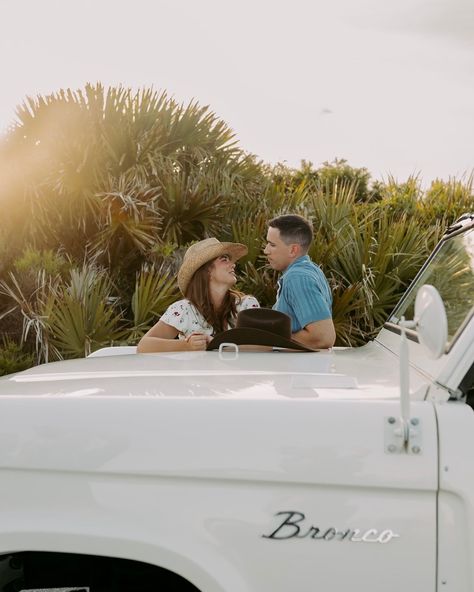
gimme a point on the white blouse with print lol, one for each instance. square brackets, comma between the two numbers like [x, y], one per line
[185, 317]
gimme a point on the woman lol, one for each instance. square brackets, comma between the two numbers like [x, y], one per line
[210, 305]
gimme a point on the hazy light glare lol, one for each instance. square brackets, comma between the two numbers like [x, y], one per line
[397, 76]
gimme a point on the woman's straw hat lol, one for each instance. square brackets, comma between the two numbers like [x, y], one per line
[202, 252]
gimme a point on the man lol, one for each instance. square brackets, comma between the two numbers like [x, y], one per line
[303, 291]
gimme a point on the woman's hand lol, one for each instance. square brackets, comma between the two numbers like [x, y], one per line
[197, 341]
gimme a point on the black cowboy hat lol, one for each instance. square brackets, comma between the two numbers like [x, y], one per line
[260, 326]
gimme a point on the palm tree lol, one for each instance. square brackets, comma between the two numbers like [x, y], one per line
[76, 151]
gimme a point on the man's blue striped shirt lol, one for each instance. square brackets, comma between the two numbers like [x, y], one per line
[304, 294]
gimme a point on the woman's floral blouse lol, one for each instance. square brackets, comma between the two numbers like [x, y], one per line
[184, 316]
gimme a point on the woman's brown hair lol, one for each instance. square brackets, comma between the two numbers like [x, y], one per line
[198, 294]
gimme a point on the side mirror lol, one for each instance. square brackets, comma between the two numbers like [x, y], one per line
[431, 325]
[430, 321]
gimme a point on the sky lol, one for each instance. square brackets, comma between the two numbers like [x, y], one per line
[385, 84]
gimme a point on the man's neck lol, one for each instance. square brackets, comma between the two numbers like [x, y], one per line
[294, 261]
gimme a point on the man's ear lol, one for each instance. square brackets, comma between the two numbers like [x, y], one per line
[295, 250]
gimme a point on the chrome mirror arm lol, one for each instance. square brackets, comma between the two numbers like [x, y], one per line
[405, 379]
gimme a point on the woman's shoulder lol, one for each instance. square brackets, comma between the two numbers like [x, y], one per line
[178, 307]
[247, 301]
[184, 316]
[183, 302]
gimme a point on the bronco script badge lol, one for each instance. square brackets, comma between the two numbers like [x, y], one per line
[293, 525]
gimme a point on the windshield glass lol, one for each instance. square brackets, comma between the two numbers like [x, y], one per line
[451, 272]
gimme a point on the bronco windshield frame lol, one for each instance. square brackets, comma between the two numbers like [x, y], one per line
[450, 269]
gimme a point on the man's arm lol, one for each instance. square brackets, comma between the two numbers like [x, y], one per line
[318, 335]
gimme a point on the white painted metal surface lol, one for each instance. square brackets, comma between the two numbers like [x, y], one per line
[456, 497]
[367, 372]
[205, 479]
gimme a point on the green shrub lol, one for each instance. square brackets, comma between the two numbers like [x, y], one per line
[446, 201]
[13, 358]
[33, 260]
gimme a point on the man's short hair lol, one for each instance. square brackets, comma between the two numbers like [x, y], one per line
[293, 229]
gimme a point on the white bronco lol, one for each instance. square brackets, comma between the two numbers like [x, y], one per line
[233, 471]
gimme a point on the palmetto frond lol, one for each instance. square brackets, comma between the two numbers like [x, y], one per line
[127, 225]
[348, 309]
[376, 260]
[251, 232]
[155, 290]
[194, 134]
[260, 282]
[35, 310]
[85, 316]
[189, 207]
